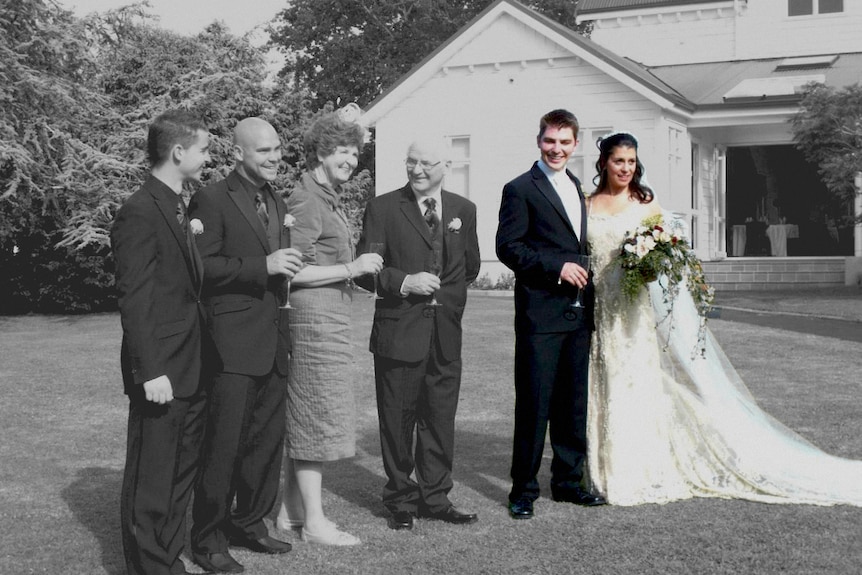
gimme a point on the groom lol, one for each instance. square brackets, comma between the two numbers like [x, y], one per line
[542, 238]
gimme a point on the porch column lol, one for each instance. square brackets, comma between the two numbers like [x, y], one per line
[857, 229]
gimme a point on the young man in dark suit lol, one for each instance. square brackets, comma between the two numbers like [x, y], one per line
[247, 262]
[158, 275]
[542, 238]
[430, 251]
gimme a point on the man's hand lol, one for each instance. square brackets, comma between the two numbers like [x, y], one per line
[574, 274]
[286, 261]
[422, 283]
[159, 390]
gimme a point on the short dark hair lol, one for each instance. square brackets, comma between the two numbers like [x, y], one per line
[169, 129]
[327, 133]
[606, 145]
[559, 119]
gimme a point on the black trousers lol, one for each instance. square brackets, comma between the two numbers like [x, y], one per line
[417, 399]
[162, 456]
[551, 371]
[242, 459]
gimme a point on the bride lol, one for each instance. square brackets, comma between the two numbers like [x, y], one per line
[665, 424]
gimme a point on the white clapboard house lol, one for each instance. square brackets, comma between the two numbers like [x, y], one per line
[707, 86]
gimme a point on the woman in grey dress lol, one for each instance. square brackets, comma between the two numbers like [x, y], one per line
[320, 400]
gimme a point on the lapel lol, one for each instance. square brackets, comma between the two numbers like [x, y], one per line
[236, 192]
[167, 205]
[547, 190]
[583, 202]
[410, 209]
[450, 212]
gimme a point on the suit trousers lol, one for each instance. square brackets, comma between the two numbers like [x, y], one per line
[551, 371]
[162, 456]
[418, 398]
[242, 459]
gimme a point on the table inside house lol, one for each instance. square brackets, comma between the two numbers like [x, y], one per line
[778, 235]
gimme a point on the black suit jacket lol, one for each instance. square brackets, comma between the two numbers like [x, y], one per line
[159, 297]
[242, 300]
[534, 239]
[403, 326]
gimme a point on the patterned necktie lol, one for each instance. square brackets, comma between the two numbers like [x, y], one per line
[431, 214]
[183, 219]
[181, 214]
[260, 206]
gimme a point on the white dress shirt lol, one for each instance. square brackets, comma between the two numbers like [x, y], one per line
[568, 193]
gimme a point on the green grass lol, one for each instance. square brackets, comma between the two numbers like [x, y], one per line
[62, 441]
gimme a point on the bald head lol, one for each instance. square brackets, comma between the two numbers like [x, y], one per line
[257, 150]
[434, 149]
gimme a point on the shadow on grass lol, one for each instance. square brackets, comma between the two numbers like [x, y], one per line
[481, 465]
[93, 497]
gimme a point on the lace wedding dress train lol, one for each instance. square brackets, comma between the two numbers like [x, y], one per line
[665, 423]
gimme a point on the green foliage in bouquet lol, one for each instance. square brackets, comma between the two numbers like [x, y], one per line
[650, 252]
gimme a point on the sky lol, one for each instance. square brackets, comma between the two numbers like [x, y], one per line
[191, 16]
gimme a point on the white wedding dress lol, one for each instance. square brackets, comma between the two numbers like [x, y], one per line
[666, 424]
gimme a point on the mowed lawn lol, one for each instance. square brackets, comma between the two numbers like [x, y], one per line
[62, 442]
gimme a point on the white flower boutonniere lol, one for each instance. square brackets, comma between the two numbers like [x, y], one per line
[289, 221]
[197, 226]
[454, 225]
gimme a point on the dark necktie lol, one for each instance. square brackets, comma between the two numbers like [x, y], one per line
[431, 215]
[183, 219]
[181, 214]
[260, 206]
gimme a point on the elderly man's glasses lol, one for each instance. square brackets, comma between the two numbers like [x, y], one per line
[411, 164]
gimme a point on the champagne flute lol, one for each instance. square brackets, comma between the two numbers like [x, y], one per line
[378, 248]
[579, 299]
[434, 265]
[286, 295]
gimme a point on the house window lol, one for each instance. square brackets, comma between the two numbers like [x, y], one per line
[582, 163]
[809, 7]
[459, 174]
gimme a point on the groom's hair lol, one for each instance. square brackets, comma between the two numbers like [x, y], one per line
[169, 129]
[559, 119]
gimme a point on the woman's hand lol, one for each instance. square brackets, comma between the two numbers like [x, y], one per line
[366, 264]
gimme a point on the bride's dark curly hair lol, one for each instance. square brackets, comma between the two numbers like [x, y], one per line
[606, 145]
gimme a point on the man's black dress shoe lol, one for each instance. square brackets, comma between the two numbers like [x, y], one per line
[579, 496]
[451, 515]
[400, 520]
[218, 562]
[265, 544]
[521, 508]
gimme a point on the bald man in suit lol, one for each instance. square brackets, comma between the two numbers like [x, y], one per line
[246, 264]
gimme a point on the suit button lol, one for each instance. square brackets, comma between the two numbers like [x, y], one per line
[275, 321]
[428, 312]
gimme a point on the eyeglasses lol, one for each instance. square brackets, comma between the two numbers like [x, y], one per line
[412, 163]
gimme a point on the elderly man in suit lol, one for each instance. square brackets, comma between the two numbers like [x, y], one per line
[430, 254]
[246, 264]
[158, 276]
[542, 237]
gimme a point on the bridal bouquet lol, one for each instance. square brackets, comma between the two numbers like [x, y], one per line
[650, 252]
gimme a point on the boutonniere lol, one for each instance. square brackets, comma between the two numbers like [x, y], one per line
[289, 221]
[454, 225]
[197, 226]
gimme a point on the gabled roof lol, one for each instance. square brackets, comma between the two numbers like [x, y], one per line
[592, 6]
[624, 70]
[712, 85]
[715, 87]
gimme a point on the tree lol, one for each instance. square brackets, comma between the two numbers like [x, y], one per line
[828, 131]
[352, 50]
[51, 129]
[78, 95]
